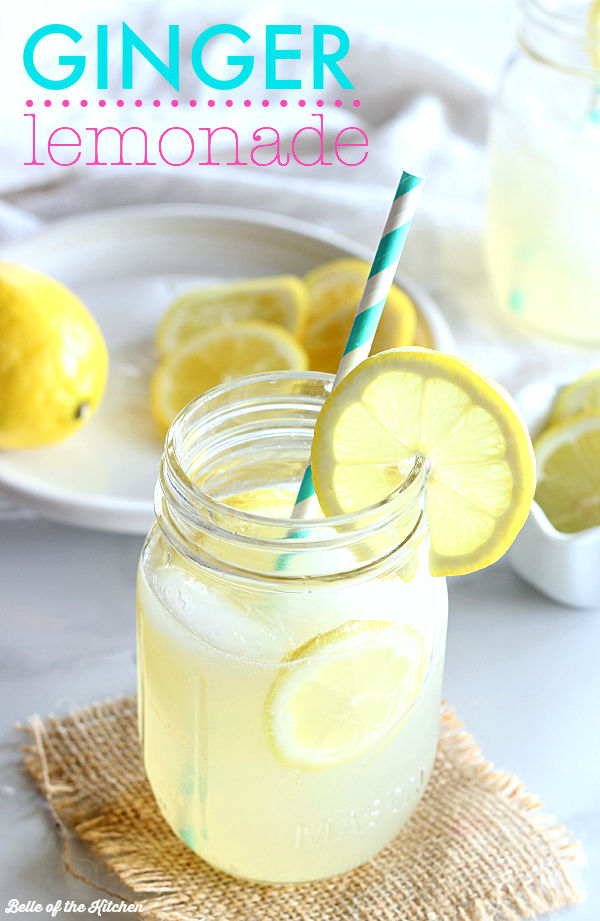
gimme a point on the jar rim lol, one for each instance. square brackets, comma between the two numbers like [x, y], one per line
[258, 430]
[547, 21]
[417, 472]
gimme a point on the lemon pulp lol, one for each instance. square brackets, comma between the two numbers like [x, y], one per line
[340, 693]
[280, 299]
[326, 336]
[220, 354]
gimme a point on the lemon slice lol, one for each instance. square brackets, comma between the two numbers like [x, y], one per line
[340, 693]
[423, 334]
[568, 458]
[282, 299]
[417, 402]
[269, 501]
[341, 283]
[583, 395]
[219, 355]
[327, 335]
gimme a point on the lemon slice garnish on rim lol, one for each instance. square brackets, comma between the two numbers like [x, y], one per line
[280, 299]
[417, 402]
[221, 354]
[343, 691]
[568, 458]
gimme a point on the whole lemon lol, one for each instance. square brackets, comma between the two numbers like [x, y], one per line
[53, 359]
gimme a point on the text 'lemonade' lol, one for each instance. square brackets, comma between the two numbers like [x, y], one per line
[289, 698]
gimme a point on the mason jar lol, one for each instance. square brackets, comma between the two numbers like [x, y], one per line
[289, 672]
[543, 226]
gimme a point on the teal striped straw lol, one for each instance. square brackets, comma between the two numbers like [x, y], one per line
[370, 308]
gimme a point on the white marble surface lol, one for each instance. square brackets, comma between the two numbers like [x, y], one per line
[521, 671]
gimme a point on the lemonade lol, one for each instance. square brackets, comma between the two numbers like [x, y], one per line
[289, 681]
[544, 195]
[544, 224]
[207, 673]
[290, 671]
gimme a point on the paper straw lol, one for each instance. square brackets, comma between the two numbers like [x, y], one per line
[370, 308]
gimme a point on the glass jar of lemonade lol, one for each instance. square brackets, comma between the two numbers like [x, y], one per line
[289, 672]
[543, 231]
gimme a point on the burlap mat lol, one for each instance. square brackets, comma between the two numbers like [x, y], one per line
[477, 849]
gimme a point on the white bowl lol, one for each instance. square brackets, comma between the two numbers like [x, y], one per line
[566, 567]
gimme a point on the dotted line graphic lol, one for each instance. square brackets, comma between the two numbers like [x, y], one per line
[194, 102]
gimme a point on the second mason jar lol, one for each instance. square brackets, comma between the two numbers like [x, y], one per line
[543, 232]
[289, 674]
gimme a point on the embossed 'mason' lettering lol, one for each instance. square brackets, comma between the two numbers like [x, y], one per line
[338, 828]
[320, 834]
[401, 795]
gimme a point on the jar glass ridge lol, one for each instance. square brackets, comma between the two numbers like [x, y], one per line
[230, 601]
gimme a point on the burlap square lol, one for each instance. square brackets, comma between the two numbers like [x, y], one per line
[477, 849]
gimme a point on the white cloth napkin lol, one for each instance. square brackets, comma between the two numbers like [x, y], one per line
[419, 113]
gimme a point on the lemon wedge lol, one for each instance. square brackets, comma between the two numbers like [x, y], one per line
[568, 458]
[583, 395]
[417, 402]
[218, 355]
[327, 335]
[343, 691]
[281, 299]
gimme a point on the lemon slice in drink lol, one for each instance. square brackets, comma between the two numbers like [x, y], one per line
[343, 691]
[327, 335]
[341, 283]
[568, 458]
[219, 355]
[583, 395]
[281, 299]
[268, 501]
[417, 402]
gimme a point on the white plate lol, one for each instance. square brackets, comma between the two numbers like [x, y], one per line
[126, 265]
